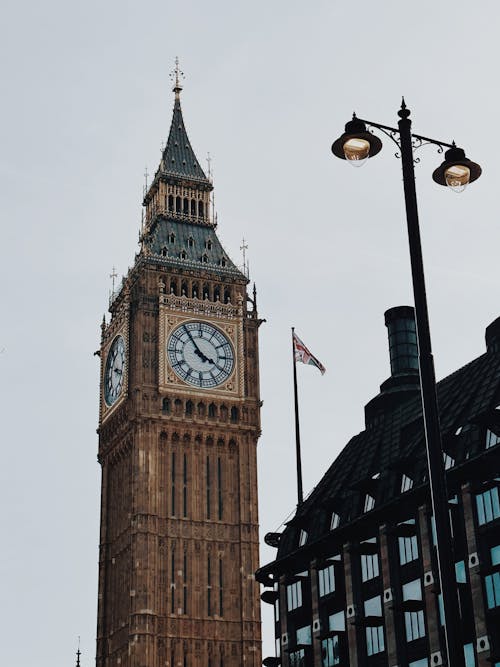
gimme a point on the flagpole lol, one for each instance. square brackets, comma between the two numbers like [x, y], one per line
[300, 494]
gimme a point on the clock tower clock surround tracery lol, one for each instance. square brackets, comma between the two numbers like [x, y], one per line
[178, 430]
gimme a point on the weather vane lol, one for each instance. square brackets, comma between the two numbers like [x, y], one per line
[176, 75]
[113, 275]
[244, 248]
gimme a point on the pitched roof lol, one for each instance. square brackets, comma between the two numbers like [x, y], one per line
[189, 245]
[374, 460]
[178, 157]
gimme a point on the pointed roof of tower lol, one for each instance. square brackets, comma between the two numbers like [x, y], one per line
[178, 157]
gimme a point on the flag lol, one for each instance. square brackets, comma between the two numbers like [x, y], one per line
[304, 355]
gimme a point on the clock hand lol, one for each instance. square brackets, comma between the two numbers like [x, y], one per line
[197, 350]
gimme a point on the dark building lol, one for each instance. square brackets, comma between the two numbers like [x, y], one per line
[354, 580]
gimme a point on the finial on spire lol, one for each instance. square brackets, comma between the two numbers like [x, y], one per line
[244, 248]
[176, 75]
[78, 654]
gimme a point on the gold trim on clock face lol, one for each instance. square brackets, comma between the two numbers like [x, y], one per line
[200, 354]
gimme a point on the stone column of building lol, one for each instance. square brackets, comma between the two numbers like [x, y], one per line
[389, 611]
[351, 611]
[429, 587]
[316, 625]
[283, 625]
[476, 587]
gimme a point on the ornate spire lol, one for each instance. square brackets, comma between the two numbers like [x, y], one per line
[178, 158]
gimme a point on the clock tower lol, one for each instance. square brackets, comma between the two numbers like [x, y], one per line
[178, 429]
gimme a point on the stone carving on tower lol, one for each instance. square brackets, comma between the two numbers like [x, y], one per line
[178, 430]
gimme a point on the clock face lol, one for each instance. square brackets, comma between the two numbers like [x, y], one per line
[200, 354]
[113, 373]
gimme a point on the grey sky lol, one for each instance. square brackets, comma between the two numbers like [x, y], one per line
[269, 85]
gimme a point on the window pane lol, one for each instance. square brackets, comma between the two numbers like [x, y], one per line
[336, 622]
[460, 572]
[495, 555]
[469, 655]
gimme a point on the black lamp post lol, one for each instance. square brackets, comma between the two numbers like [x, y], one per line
[356, 145]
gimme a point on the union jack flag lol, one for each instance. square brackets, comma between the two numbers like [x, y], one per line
[304, 355]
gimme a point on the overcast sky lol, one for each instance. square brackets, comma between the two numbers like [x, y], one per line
[269, 85]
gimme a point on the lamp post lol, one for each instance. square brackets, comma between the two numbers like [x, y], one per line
[356, 145]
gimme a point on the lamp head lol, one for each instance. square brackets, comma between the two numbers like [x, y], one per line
[457, 171]
[356, 145]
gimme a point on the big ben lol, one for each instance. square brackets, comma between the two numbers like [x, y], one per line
[178, 429]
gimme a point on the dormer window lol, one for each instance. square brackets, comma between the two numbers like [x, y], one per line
[369, 503]
[204, 258]
[449, 462]
[208, 244]
[183, 254]
[302, 538]
[171, 237]
[164, 251]
[406, 483]
[223, 261]
[190, 241]
[492, 439]
[334, 521]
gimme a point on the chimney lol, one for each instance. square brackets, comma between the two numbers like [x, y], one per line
[492, 336]
[404, 382]
[402, 332]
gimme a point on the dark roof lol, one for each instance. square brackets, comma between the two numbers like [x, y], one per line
[189, 245]
[374, 460]
[178, 157]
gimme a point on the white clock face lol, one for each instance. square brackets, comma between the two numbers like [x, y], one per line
[200, 354]
[114, 371]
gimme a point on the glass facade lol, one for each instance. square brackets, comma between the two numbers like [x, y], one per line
[326, 580]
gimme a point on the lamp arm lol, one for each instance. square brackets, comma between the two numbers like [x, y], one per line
[391, 132]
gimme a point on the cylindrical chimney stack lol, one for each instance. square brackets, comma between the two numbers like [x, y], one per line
[402, 331]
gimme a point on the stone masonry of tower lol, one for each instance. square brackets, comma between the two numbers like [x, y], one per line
[178, 429]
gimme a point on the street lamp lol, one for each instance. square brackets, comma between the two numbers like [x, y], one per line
[356, 145]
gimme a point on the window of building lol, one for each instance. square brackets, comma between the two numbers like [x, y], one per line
[277, 604]
[330, 647]
[449, 462]
[330, 653]
[171, 237]
[183, 254]
[470, 660]
[209, 586]
[164, 251]
[460, 574]
[294, 595]
[408, 547]
[406, 483]
[492, 581]
[492, 439]
[172, 477]
[369, 564]
[208, 244]
[334, 521]
[488, 506]
[369, 503]
[278, 647]
[326, 580]
[414, 620]
[208, 484]
[234, 414]
[221, 588]
[185, 589]
[219, 489]
[374, 634]
[297, 658]
[419, 663]
[304, 637]
[302, 538]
